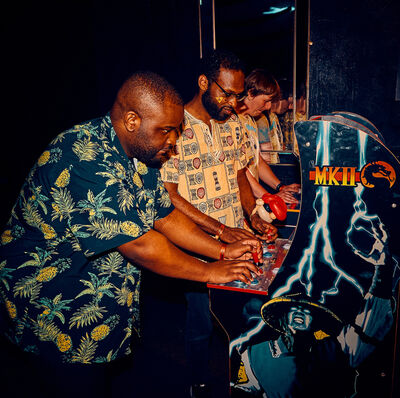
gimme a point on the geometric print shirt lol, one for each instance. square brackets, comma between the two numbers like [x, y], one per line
[65, 290]
[206, 165]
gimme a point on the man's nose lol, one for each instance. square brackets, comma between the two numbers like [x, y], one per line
[172, 137]
[232, 101]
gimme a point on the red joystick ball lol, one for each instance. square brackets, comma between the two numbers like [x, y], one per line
[276, 204]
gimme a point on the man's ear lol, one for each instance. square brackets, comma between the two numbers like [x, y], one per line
[203, 82]
[132, 121]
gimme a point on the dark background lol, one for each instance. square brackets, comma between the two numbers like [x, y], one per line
[355, 62]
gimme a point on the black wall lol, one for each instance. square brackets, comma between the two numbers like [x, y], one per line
[63, 62]
[354, 61]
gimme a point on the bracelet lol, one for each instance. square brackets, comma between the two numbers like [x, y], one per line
[222, 251]
[220, 231]
[279, 187]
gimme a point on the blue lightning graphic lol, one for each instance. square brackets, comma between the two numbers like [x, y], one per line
[319, 231]
[277, 10]
[361, 223]
[369, 225]
[246, 336]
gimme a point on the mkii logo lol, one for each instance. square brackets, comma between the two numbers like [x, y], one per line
[371, 175]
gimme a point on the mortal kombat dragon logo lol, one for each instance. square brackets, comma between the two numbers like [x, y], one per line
[377, 174]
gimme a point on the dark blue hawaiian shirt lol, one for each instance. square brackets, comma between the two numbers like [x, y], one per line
[65, 289]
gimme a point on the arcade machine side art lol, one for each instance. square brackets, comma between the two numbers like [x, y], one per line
[331, 307]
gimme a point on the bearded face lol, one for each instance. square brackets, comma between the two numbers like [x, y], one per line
[217, 111]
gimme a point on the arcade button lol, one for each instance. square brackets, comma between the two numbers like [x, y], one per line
[239, 283]
[254, 282]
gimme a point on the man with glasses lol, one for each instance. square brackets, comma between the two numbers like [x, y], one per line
[207, 177]
[207, 181]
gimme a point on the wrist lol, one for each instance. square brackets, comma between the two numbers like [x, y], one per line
[279, 187]
[259, 203]
[222, 251]
[219, 232]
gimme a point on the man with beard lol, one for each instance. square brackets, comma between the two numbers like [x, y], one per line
[207, 181]
[92, 212]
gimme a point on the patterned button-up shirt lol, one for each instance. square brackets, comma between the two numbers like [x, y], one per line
[206, 167]
[65, 289]
[251, 143]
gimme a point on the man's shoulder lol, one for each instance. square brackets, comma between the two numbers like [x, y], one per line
[91, 130]
[94, 128]
[263, 124]
[190, 121]
[248, 122]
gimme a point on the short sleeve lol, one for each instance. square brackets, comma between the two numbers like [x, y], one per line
[263, 130]
[102, 201]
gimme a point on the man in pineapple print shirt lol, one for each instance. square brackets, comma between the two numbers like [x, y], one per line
[92, 212]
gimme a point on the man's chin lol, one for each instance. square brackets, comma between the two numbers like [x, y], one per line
[158, 161]
[256, 113]
[222, 116]
[154, 163]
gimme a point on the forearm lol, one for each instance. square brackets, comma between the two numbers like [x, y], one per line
[246, 194]
[156, 253]
[204, 221]
[183, 232]
[256, 187]
[266, 174]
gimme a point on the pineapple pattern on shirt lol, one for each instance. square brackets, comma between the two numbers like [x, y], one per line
[64, 288]
[206, 166]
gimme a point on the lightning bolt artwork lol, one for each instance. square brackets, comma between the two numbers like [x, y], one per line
[320, 240]
[336, 283]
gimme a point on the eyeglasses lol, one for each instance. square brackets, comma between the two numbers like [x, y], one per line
[239, 97]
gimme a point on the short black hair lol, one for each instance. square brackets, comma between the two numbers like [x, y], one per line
[144, 88]
[211, 63]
